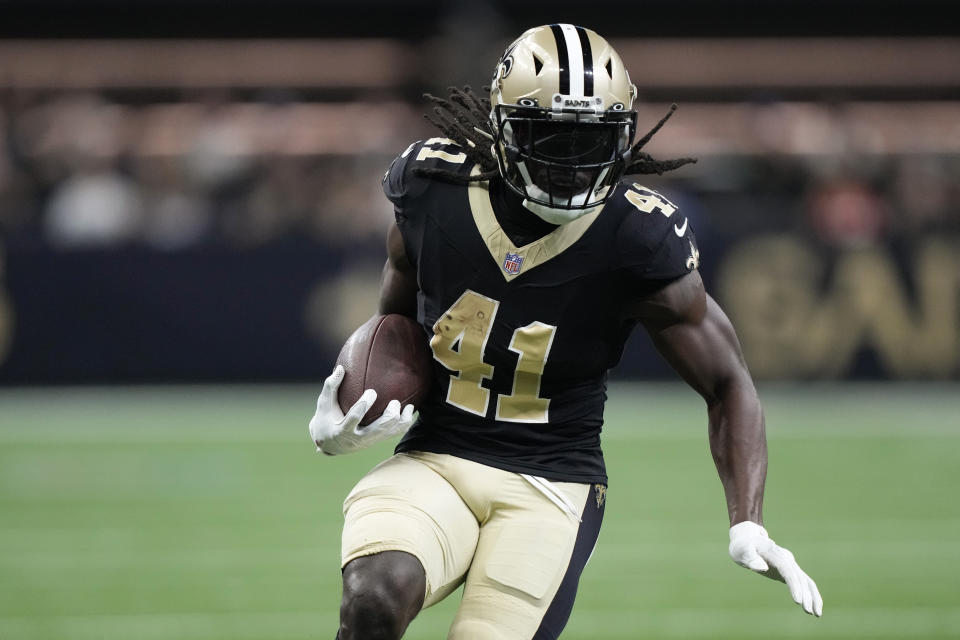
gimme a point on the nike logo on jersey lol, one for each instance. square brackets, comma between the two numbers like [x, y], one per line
[681, 230]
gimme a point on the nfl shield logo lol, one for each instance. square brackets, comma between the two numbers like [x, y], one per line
[512, 262]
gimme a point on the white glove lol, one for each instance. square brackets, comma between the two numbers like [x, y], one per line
[751, 547]
[335, 433]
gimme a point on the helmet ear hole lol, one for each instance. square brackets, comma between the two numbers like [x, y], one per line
[609, 67]
[537, 65]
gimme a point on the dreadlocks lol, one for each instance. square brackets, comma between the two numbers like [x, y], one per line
[642, 163]
[464, 118]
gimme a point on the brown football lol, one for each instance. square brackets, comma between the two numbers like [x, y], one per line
[388, 354]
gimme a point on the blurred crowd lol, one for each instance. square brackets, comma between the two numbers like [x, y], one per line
[81, 170]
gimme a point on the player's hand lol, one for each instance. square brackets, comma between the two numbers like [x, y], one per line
[751, 547]
[335, 432]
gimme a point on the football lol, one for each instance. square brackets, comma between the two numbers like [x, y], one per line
[388, 354]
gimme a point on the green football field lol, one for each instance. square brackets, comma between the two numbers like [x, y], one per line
[203, 513]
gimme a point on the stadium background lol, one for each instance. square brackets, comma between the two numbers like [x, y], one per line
[191, 223]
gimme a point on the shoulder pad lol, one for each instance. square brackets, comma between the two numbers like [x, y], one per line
[394, 180]
[433, 153]
[653, 234]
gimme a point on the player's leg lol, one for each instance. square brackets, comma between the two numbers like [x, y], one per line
[408, 539]
[382, 594]
[528, 562]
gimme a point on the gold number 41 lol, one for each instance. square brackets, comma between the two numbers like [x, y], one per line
[647, 200]
[459, 340]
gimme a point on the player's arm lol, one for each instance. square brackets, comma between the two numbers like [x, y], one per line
[332, 430]
[398, 284]
[694, 335]
[696, 338]
[336, 432]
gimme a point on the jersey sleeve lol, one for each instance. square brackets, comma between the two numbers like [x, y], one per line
[396, 180]
[655, 241]
[404, 179]
[412, 185]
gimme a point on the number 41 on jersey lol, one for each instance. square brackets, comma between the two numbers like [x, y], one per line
[459, 341]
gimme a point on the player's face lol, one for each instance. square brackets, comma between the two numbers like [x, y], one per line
[563, 155]
[561, 145]
[563, 183]
[562, 159]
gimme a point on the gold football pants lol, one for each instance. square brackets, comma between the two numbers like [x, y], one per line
[517, 542]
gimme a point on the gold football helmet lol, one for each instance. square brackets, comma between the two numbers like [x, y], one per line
[562, 113]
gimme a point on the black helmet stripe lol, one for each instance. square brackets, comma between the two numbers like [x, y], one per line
[575, 59]
[564, 58]
[587, 62]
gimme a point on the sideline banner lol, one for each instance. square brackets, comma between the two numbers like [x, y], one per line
[281, 312]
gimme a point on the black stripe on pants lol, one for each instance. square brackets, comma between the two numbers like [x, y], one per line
[555, 619]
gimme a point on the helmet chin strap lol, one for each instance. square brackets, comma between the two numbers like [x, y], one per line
[556, 216]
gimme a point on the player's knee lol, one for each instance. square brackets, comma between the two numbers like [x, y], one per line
[381, 595]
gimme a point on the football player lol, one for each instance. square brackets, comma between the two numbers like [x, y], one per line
[528, 262]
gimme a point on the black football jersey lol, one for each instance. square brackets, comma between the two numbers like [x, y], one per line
[522, 337]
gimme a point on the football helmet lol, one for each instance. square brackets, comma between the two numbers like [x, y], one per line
[563, 121]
